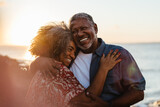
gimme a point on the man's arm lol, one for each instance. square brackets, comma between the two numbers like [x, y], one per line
[133, 82]
[127, 99]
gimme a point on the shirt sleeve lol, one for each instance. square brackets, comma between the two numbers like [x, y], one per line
[132, 77]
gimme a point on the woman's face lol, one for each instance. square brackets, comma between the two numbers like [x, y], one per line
[69, 55]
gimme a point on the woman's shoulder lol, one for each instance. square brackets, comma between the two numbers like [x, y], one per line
[65, 72]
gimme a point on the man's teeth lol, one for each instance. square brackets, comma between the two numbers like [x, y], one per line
[83, 39]
[69, 60]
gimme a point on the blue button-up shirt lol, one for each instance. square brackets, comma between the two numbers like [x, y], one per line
[123, 77]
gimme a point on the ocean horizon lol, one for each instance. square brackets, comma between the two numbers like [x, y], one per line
[147, 56]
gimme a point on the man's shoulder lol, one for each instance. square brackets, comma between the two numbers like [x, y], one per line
[107, 47]
[124, 52]
[112, 46]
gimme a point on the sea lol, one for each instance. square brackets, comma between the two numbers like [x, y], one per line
[147, 56]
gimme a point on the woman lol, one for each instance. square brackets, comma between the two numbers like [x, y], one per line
[46, 90]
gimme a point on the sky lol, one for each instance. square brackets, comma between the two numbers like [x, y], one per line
[119, 21]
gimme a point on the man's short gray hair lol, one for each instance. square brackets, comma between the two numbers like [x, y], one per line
[82, 15]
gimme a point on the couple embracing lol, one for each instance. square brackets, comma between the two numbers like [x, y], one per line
[76, 68]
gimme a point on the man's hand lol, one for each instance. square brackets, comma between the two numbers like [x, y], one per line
[95, 102]
[45, 64]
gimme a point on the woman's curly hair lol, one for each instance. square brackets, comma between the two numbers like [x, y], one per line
[51, 40]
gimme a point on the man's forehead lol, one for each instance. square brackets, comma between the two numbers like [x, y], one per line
[79, 22]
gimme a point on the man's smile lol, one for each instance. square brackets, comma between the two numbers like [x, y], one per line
[84, 39]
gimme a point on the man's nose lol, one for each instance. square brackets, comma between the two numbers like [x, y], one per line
[80, 33]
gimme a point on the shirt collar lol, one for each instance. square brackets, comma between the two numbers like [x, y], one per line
[99, 50]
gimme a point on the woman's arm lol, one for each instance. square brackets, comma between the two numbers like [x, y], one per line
[96, 87]
[45, 64]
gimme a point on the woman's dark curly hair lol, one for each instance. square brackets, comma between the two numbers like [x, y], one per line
[51, 40]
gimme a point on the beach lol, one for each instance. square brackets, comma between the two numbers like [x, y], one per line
[14, 71]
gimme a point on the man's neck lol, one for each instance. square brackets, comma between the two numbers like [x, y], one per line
[93, 48]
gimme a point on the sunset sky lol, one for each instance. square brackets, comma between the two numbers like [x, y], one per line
[119, 21]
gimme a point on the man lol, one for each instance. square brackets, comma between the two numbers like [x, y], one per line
[124, 83]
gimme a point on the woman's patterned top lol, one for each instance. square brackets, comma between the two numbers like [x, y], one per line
[53, 91]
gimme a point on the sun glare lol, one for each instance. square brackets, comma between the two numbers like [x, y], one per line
[23, 29]
[28, 56]
[21, 33]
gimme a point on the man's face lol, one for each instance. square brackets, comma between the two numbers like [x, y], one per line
[84, 34]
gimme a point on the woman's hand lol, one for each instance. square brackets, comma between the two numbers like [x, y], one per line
[108, 62]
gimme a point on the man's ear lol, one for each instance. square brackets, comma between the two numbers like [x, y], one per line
[96, 28]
